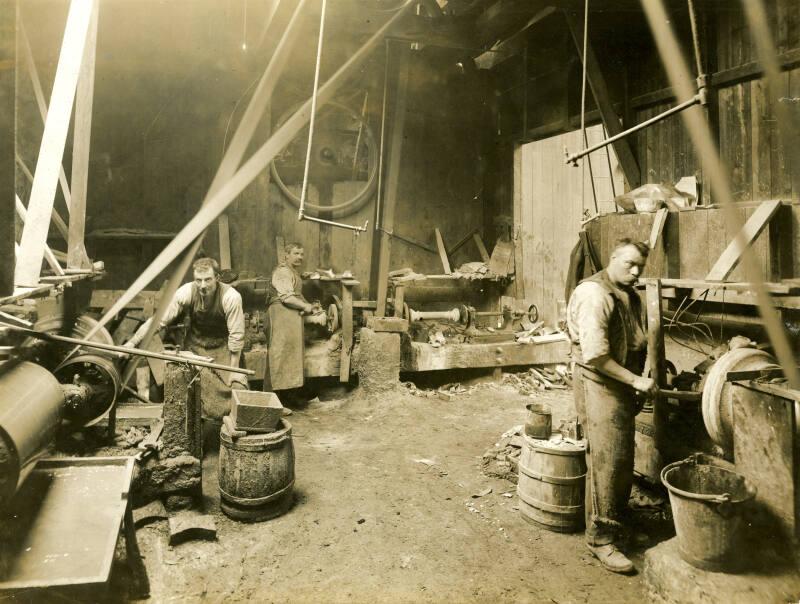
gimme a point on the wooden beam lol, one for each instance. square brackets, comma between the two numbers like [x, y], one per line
[513, 45]
[8, 42]
[730, 258]
[424, 357]
[501, 16]
[442, 252]
[224, 242]
[392, 179]
[81, 138]
[218, 200]
[48, 253]
[41, 103]
[51, 151]
[481, 248]
[61, 226]
[597, 83]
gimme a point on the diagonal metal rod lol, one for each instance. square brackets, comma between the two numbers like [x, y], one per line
[700, 133]
[698, 98]
[217, 202]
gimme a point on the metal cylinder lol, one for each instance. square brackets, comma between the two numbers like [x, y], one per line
[453, 314]
[30, 406]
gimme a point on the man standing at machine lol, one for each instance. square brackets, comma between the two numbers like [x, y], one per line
[609, 341]
[286, 308]
[215, 319]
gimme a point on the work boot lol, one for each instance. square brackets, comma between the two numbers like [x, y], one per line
[611, 558]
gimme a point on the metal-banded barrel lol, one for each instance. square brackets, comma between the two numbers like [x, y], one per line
[256, 473]
[30, 406]
[551, 484]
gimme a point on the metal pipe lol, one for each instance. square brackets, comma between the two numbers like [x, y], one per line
[695, 100]
[449, 315]
[125, 350]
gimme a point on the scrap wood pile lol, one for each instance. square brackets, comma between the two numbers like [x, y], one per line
[539, 379]
[445, 393]
[502, 459]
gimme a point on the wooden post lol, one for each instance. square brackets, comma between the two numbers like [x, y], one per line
[656, 357]
[392, 181]
[347, 330]
[51, 151]
[597, 83]
[8, 37]
[82, 132]
[399, 300]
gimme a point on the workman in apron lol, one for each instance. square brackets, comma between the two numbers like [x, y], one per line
[213, 312]
[605, 323]
[286, 308]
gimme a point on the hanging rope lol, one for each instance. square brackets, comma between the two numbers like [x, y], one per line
[583, 114]
[304, 189]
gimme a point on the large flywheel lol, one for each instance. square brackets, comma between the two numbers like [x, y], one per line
[344, 149]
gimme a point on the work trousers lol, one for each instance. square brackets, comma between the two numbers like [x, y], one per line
[606, 412]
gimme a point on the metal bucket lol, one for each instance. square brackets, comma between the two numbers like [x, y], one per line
[707, 501]
[539, 423]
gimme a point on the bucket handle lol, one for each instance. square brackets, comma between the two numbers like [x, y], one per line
[692, 460]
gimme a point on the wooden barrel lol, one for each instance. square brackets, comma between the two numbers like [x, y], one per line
[256, 473]
[551, 484]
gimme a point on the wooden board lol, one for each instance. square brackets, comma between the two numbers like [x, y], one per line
[424, 357]
[550, 208]
[442, 252]
[482, 248]
[763, 445]
[757, 222]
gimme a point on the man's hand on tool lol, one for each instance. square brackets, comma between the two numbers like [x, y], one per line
[645, 385]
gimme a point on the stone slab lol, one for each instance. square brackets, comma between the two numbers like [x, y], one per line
[669, 580]
[377, 361]
[152, 512]
[187, 524]
[387, 324]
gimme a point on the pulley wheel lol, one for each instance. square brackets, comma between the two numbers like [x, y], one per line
[51, 354]
[343, 149]
[102, 382]
[533, 313]
[718, 394]
[333, 318]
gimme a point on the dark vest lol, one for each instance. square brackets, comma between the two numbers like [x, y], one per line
[208, 326]
[625, 323]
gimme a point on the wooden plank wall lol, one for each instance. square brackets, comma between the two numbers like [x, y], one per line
[553, 199]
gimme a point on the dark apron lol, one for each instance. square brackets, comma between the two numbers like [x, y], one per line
[207, 336]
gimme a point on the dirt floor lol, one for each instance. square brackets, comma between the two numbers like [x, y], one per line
[385, 512]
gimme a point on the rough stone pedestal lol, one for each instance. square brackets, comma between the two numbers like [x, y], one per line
[378, 361]
[670, 580]
[176, 471]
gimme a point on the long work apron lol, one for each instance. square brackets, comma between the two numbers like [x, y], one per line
[286, 341]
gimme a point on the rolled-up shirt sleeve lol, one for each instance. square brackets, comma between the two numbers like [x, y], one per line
[283, 282]
[589, 311]
[234, 317]
[180, 301]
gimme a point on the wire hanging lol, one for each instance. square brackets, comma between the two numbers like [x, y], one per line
[304, 189]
